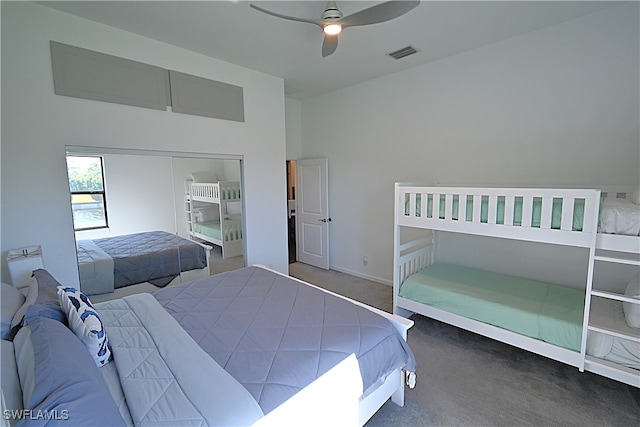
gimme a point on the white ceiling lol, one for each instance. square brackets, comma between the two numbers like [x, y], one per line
[233, 32]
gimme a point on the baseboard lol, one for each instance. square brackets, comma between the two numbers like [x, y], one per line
[361, 275]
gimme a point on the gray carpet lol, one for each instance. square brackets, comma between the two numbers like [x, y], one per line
[467, 380]
[218, 265]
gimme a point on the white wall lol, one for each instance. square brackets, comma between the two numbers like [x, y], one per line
[231, 170]
[37, 124]
[558, 106]
[293, 129]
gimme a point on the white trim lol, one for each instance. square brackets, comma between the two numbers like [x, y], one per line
[80, 149]
[376, 279]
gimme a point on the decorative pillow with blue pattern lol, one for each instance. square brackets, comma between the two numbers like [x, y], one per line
[85, 323]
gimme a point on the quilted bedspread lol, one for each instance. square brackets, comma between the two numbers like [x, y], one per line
[95, 267]
[276, 335]
[155, 256]
[167, 379]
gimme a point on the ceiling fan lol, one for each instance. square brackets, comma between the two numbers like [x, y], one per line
[333, 22]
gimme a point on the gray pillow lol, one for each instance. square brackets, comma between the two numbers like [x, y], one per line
[12, 299]
[42, 300]
[61, 376]
[9, 377]
[47, 288]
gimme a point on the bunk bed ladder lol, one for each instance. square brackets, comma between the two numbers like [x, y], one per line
[589, 283]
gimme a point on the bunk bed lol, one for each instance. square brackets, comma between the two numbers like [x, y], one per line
[613, 344]
[156, 257]
[581, 327]
[279, 352]
[214, 214]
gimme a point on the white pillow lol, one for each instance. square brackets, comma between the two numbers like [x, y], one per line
[619, 216]
[206, 214]
[631, 310]
[204, 176]
[85, 323]
[12, 300]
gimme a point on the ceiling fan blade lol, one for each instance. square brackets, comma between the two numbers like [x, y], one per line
[379, 13]
[329, 45]
[290, 18]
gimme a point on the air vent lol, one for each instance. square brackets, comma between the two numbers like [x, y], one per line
[289, 90]
[405, 51]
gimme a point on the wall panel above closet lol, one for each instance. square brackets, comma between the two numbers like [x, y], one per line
[204, 97]
[87, 74]
[83, 73]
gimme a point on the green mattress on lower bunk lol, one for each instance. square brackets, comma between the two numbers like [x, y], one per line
[545, 311]
[209, 228]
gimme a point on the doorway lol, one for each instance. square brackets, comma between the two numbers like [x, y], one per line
[291, 209]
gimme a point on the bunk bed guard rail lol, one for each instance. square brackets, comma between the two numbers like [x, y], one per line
[558, 216]
[215, 191]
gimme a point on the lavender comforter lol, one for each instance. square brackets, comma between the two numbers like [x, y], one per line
[276, 335]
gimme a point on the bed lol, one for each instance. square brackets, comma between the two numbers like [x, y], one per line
[157, 257]
[214, 214]
[248, 347]
[578, 326]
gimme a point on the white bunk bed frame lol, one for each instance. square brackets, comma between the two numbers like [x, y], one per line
[620, 249]
[418, 253]
[221, 194]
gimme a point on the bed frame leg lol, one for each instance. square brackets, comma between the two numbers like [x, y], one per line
[398, 396]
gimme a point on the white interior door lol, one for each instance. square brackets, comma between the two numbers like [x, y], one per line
[312, 212]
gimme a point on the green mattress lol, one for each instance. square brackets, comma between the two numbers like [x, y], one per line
[209, 228]
[556, 218]
[540, 310]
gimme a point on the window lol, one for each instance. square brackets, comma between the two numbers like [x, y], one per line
[88, 198]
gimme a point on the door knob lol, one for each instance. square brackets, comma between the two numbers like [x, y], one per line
[325, 220]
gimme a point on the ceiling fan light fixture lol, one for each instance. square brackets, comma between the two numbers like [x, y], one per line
[332, 29]
[332, 21]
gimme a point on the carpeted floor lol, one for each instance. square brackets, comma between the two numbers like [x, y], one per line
[465, 379]
[218, 265]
